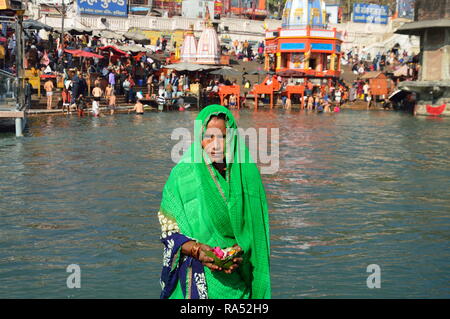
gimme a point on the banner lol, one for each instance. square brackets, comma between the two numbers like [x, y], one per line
[370, 13]
[332, 13]
[4, 4]
[117, 8]
[405, 9]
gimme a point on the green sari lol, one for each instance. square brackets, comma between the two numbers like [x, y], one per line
[202, 205]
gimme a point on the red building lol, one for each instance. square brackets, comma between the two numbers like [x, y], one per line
[255, 9]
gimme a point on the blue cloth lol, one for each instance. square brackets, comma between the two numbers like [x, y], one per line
[177, 269]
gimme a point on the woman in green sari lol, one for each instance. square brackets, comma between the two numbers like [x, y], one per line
[214, 197]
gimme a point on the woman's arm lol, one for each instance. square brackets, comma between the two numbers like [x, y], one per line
[189, 249]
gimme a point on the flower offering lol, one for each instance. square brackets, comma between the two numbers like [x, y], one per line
[224, 257]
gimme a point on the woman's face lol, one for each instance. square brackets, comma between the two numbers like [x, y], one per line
[214, 139]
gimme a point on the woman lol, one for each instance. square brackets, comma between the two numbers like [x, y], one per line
[214, 198]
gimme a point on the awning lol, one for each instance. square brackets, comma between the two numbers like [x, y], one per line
[184, 66]
[79, 31]
[108, 35]
[416, 28]
[137, 37]
[36, 25]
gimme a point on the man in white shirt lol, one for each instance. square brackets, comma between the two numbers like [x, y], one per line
[366, 89]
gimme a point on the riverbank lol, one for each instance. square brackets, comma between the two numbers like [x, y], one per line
[358, 105]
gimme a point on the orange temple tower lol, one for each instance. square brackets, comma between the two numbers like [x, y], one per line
[304, 47]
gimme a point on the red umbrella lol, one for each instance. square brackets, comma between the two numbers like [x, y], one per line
[84, 54]
[114, 49]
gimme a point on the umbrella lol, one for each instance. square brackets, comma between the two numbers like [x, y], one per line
[226, 72]
[133, 48]
[36, 25]
[84, 54]
[79, 31]
[259, 72]
[137, 37]
[398, 95]
[109, 35]
[114, 49]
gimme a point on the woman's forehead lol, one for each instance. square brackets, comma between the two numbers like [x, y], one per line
[217, 123]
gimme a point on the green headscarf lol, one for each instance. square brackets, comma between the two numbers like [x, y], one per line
[221, 211]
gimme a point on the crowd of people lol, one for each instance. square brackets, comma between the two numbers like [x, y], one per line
[107, 72]
[387, 62]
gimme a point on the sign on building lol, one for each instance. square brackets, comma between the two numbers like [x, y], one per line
[53, 2]
[4, 4]
[332, 13]
[117, 8]
[405, 9]
[370, 13]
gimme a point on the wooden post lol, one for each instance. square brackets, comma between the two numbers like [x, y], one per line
[39, 85]
[271, 100]
[256, 101]
[89, 84]
[20, 98]
[303, 100]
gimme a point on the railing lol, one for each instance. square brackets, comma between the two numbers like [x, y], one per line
[8, 88]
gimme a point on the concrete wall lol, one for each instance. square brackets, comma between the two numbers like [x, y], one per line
[436, 55]
[432, 9]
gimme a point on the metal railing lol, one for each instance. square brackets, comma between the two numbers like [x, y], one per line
[8, 89]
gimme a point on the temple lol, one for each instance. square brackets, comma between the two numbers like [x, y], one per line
[304, 47]
[206, 51]
[189, 47]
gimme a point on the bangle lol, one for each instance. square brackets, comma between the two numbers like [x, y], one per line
[195, 250]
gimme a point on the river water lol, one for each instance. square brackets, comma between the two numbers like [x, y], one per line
[352, 189]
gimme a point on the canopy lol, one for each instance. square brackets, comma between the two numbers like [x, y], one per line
[108, 35]
[114, 49]
[226, 72]
[36, 25]
[133, 48]
[398, 95]
[137, 37]
[79, 31]
[184, 66]
[85, 54]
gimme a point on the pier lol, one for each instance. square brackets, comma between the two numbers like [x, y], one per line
[12, 100]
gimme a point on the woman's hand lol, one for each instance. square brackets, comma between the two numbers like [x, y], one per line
[236, 261]
[205, 260]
